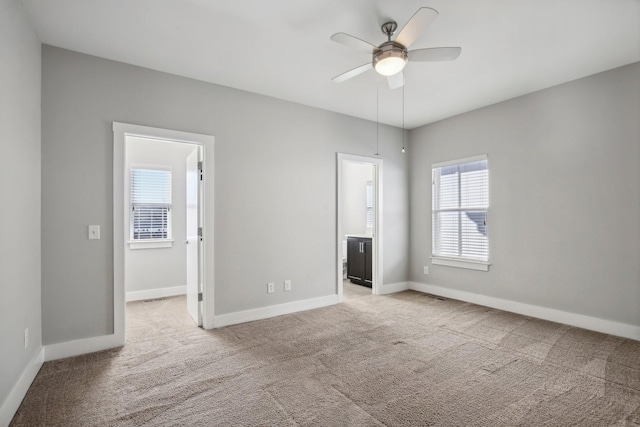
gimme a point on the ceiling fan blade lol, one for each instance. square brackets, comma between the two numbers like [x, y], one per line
[434, 54]
[416, 25]
[396, 81]
[352, 73]
[354, 42]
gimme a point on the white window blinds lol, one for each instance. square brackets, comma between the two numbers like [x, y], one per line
[150, 190]
[460, 200]
[370, 204]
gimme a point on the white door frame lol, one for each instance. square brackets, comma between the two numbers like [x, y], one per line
[120, 232]
[376, 162]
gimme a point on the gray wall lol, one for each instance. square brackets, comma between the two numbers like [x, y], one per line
[19, 192]
[564, 193]
[158, 268]
[275, 187]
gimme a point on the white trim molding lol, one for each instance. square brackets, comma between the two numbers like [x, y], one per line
[120, 235]
[159, 244]
[106, 342]
[156, 293]
[377, 238]
[579, 320]
[392, 288]
[19, 390]
[460, 263]
[82, 346]
[274, 310]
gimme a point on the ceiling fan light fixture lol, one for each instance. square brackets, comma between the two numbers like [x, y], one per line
[390, 59]
[390, 65]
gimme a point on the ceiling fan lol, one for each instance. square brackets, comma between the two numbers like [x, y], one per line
[390, 57]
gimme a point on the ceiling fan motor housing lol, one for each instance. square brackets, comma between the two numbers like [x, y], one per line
[390, 58]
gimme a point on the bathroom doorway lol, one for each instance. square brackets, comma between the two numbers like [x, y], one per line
[196, 146]
[359, 218]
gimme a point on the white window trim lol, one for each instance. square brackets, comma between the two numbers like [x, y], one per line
[150, 243]
[460, 262]
[458, 161]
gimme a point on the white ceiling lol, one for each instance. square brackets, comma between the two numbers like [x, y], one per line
[281, 48]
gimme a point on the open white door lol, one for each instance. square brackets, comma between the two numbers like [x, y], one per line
[193, 242]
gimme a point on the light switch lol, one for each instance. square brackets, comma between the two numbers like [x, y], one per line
[94, 232]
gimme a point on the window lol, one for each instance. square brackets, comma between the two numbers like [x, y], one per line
[460, 201]
[150, 188]
[369, 204]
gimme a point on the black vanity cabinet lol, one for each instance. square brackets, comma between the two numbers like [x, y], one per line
[359, 260]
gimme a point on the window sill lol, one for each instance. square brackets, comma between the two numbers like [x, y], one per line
[150, 244]
[460, 263]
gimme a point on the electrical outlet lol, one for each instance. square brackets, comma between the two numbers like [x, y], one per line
[26, 338]
[426, 270]
[271, 287]
[287, 285]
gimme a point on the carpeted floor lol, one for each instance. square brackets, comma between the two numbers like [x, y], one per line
[406, 359]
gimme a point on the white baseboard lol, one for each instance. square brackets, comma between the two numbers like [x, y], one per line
[273, 311]
[19, 390]
[105, 342]
[156, 293]
[82, 346]
[586, 322]
[392, 288]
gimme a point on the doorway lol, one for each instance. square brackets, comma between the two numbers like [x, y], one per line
[359, 218]
[162, 204]
[169, 259]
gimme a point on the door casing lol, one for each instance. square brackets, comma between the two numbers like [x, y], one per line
[120, 132]
[377, 239]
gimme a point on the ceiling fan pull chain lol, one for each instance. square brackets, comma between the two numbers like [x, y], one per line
[403, 118]
[377, 114]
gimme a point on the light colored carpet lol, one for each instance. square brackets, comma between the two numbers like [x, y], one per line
[400, 360]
